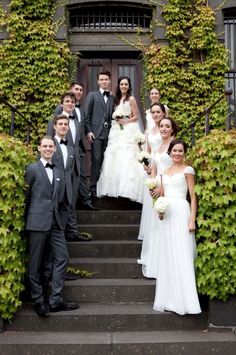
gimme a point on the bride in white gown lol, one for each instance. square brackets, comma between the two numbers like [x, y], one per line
[121, 173]
[176, 287]
[161, 161]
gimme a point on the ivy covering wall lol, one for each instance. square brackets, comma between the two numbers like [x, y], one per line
[33, 65]
[14, 156]
[189, 70]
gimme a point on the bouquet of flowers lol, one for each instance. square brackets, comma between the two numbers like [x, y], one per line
[119, 113]
[143, 157]
[151, 183]
[161, 206]
[139, 139]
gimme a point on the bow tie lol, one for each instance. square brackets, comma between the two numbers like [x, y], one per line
[48, 165]
[62, 141]
[77, 105]
[71, 117]
[106, 93]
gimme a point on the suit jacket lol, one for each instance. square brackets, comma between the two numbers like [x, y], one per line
[97, 112]
[83, 143]
[57, 159]
[51, 132]
[42, 197]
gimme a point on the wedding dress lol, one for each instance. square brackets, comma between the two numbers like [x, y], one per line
[176, 286]
[148, 258]
[154, 140]
[121, 173]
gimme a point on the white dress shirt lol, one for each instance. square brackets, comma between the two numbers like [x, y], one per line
[49, 171]
[63, 150]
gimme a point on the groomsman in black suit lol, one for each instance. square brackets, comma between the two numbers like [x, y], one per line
[84, 194]
[44, 227]
[73, 138]
[98, 108]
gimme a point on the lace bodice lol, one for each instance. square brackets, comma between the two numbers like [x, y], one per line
[162, 161]
[175, 186]
[125, 107]
[154, 140]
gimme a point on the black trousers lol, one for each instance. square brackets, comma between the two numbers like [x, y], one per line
[40, 242]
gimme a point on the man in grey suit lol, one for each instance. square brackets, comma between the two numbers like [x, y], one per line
[98, 108]
[73, 138]
[43, 225]
[84, 194]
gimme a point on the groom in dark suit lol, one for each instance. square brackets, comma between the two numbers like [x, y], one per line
[98, 108]
[44, 227]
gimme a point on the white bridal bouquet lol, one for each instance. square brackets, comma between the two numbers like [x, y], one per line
[161, 206]
[151, 183]
[143, 157]
[119, 113]
[139, 138]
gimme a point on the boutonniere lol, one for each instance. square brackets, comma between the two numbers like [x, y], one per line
[58, 179]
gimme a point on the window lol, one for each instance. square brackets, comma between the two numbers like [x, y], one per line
[110, 17]
[230, 42]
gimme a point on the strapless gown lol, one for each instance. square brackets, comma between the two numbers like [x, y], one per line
[176, 287]
[154, 140]
[150, 241]
[121, 173]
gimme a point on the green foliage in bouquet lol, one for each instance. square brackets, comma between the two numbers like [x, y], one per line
[34, 66]
[214, 159]
[189, 70]
[14, 156]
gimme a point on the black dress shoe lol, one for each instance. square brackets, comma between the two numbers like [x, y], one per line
[71, 277]
[87, 205]
[64, 306]
[41, 309]
[78, 238]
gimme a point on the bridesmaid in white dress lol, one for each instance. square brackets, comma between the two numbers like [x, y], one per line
[121, 173]
[154, 96]
[176, 286]
[148, 259]
[153, 139]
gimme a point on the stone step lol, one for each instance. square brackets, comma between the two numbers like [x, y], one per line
[110, 290]
[105, 249]
[111, 231]
[106, 318]
[109, 217]
[107, 268]
[118, 343]
[111, 203]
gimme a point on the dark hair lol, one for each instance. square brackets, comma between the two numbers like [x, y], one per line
[75, 83]
[177, 141]
[68, 94]
[118, 92]
[45, 137]
[162, 107]
[104, 72]
[175, 127]
[60, 117]
[154, 87]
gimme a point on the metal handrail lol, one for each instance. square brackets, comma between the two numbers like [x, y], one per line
[227, 93]
[13, 111]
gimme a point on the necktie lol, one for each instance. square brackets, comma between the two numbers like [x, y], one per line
[48, 165]
[106, 93]
[62, 141]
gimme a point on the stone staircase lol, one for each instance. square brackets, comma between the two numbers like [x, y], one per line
[115, 315]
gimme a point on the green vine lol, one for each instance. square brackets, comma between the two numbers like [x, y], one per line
[34, 66]
[79, 272]
[214, 159]
[189, 70]
[14, 156]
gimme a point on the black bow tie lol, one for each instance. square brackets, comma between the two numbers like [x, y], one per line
[48, 165]
[77, 105]
[71, 117]
[106, 93]
[62, 141]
